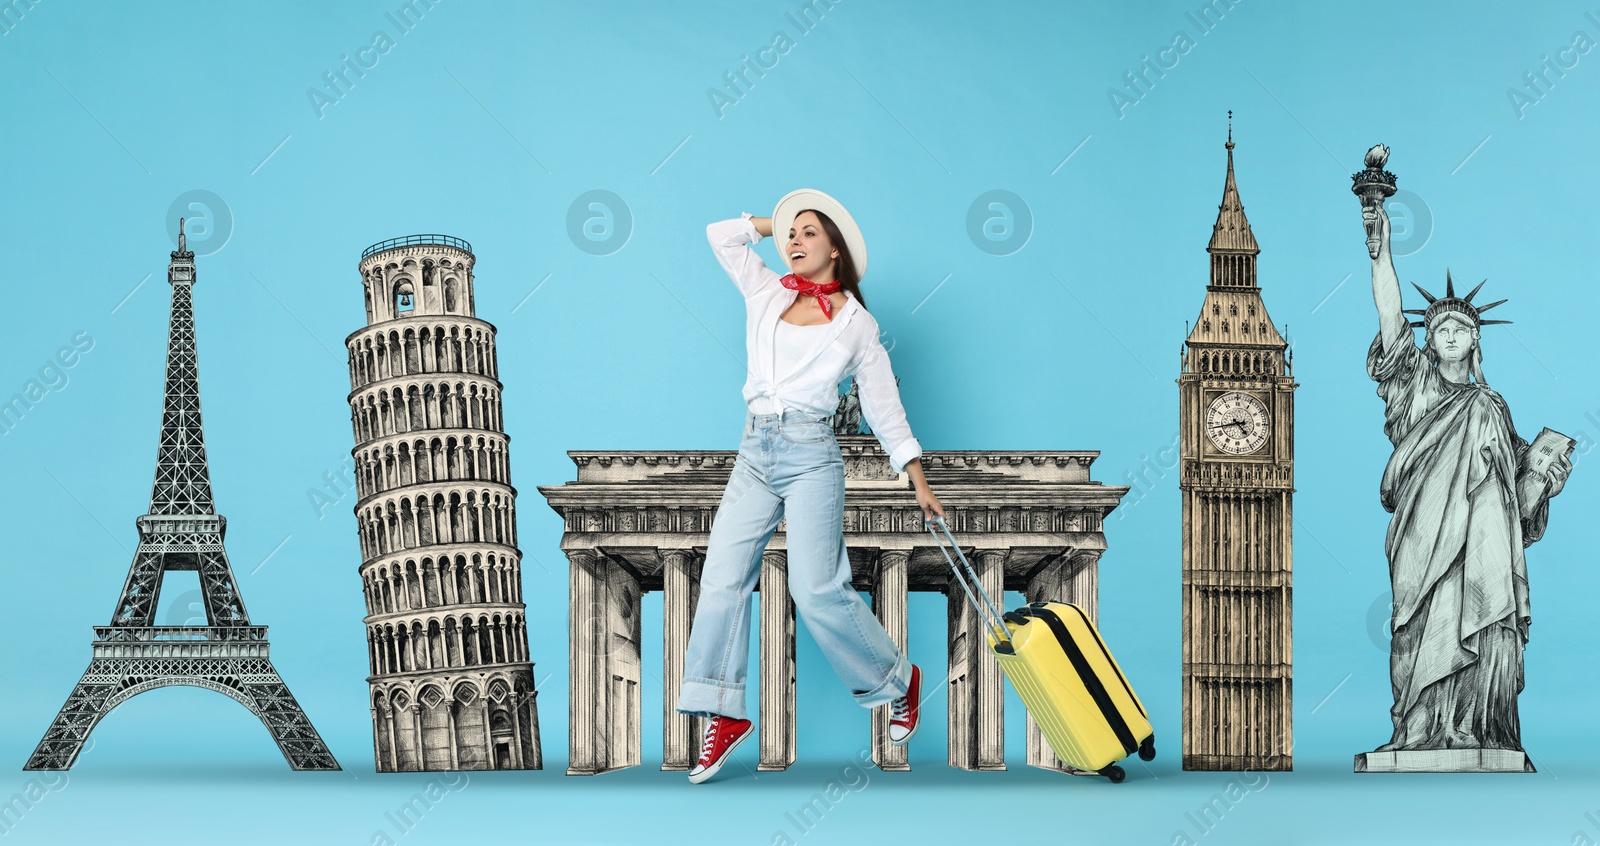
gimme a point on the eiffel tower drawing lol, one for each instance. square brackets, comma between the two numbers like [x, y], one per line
[181, 532]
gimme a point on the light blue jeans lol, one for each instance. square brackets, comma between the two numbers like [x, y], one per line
[789, 467]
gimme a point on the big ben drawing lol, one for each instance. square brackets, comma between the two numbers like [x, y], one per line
[1236, 475]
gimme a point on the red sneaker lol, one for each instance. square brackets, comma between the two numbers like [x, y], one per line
[904, 718]
[723, 735]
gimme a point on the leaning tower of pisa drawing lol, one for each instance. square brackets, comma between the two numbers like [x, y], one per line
[452, 682]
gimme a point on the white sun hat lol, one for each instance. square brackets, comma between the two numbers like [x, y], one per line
[799, 200]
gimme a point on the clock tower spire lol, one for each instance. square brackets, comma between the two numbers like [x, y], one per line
[1236, 475]
[1233, 246]
[1232, 292]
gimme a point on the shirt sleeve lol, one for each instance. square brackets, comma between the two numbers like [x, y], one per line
[731, 240]
[880, 405]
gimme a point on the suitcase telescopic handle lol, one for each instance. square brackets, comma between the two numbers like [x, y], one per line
[993, 619]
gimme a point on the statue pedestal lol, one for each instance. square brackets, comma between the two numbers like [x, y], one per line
[1445, 761]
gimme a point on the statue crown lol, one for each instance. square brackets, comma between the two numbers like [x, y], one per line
[1450, 304]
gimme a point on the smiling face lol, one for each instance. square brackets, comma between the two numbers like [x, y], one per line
[1452, 338]
[808, 249]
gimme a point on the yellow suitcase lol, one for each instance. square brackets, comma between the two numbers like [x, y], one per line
[1067, 679]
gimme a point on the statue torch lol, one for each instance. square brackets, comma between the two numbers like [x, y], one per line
[1373, 185]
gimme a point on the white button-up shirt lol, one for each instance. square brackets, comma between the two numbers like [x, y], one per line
[848, 347]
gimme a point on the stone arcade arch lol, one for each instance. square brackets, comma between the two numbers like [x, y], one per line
[638, 521]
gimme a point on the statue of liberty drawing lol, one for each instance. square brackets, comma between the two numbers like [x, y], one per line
[1467, 495]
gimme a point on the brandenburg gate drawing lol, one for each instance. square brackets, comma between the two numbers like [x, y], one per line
[639, 520]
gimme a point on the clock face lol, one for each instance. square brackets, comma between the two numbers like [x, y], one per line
[1237, 423]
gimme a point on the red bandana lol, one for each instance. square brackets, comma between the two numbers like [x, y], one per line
[807, 288]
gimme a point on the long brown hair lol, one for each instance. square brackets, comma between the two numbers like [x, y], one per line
[844, 267]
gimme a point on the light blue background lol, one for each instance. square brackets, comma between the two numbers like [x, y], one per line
[486, 121]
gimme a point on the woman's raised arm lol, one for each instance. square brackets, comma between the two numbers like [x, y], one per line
[731, 240]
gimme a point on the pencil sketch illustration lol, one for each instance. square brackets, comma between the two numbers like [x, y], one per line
[639, 521]
[452, 684]
[183, 531]
[1468, 495]
[1236, 419]
[847, 419]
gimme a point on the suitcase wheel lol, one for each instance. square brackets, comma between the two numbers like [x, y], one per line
[1114, 773]
[1147, 749]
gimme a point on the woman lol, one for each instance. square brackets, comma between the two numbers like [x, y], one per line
[805, 332]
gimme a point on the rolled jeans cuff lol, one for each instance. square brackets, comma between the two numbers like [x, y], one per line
[894, 687]
[710, 698]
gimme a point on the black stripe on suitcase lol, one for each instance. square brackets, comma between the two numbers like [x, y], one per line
[1114, 668]
[1080, 664]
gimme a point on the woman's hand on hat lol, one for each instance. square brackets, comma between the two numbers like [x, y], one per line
[763, 226]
